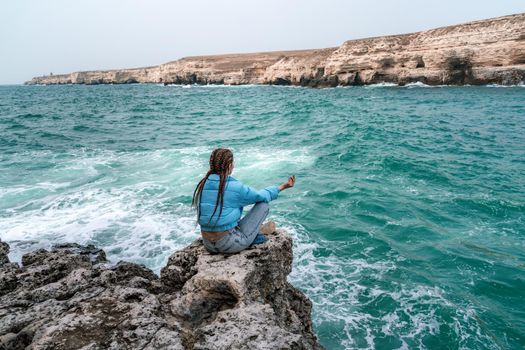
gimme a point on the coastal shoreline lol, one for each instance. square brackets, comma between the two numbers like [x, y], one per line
[374, 85]
[481, 52]
[70, 296]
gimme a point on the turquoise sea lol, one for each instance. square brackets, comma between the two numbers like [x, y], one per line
[408, 215]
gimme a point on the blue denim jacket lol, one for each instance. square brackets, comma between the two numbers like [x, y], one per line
[236, 196]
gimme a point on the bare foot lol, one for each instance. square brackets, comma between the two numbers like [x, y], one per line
[267, 228]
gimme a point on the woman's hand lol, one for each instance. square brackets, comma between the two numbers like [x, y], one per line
[288, 184]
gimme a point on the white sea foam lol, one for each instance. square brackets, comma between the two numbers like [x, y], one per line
[124, 202]
[522, 84]
[380, 85]
[408, 85]
[129, 203]
[418, 84]
[341, 291]
[188, 86]
[126, 226]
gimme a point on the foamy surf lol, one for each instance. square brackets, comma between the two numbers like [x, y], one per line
[342, 289]
[132, 204]
[406, 218]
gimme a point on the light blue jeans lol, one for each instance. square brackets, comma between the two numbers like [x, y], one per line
[240, 237]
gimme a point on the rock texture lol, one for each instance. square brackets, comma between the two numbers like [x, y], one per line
[71, 298]
[479, 52]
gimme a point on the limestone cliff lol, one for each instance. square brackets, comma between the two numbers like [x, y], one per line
[479, 52]
[71, 298]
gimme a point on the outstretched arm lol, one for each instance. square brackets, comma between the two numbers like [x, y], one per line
[249, 195]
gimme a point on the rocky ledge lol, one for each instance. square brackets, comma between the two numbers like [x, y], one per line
[70, 297]
[489, 51]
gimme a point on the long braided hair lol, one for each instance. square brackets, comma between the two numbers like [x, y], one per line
[220, 161]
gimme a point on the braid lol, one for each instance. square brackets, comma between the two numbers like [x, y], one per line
[220, 162]
[217, 161]
[197, 194]
[222, 180]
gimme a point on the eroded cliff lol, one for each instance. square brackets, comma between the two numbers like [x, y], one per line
[71, 298]
[479, 52]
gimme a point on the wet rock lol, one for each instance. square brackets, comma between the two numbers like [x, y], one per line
[70, 297]
[8, 277]
[95, 255]
[4, 250]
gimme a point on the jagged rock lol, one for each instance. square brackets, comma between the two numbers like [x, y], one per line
[479, 52]
[4, 250]
[70, 298]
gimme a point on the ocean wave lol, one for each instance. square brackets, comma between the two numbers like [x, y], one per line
[211, 86]
[381, 85]
[522, 84]
[347, 292]
[125, 225]
[406, 214]
[135, 205]
[421, 85]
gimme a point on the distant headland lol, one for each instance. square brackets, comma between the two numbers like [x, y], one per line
[481, 52]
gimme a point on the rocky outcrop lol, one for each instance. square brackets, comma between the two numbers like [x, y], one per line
[70, 298]
[4, 250]
[479, 52]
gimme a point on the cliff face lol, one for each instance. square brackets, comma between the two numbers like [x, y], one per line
[70, 298]
[480, 52]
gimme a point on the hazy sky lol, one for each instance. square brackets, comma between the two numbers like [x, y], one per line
[61, 36]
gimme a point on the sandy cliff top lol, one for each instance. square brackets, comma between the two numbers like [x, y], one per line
[478, 52]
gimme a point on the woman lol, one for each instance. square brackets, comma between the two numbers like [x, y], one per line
[220, 198]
